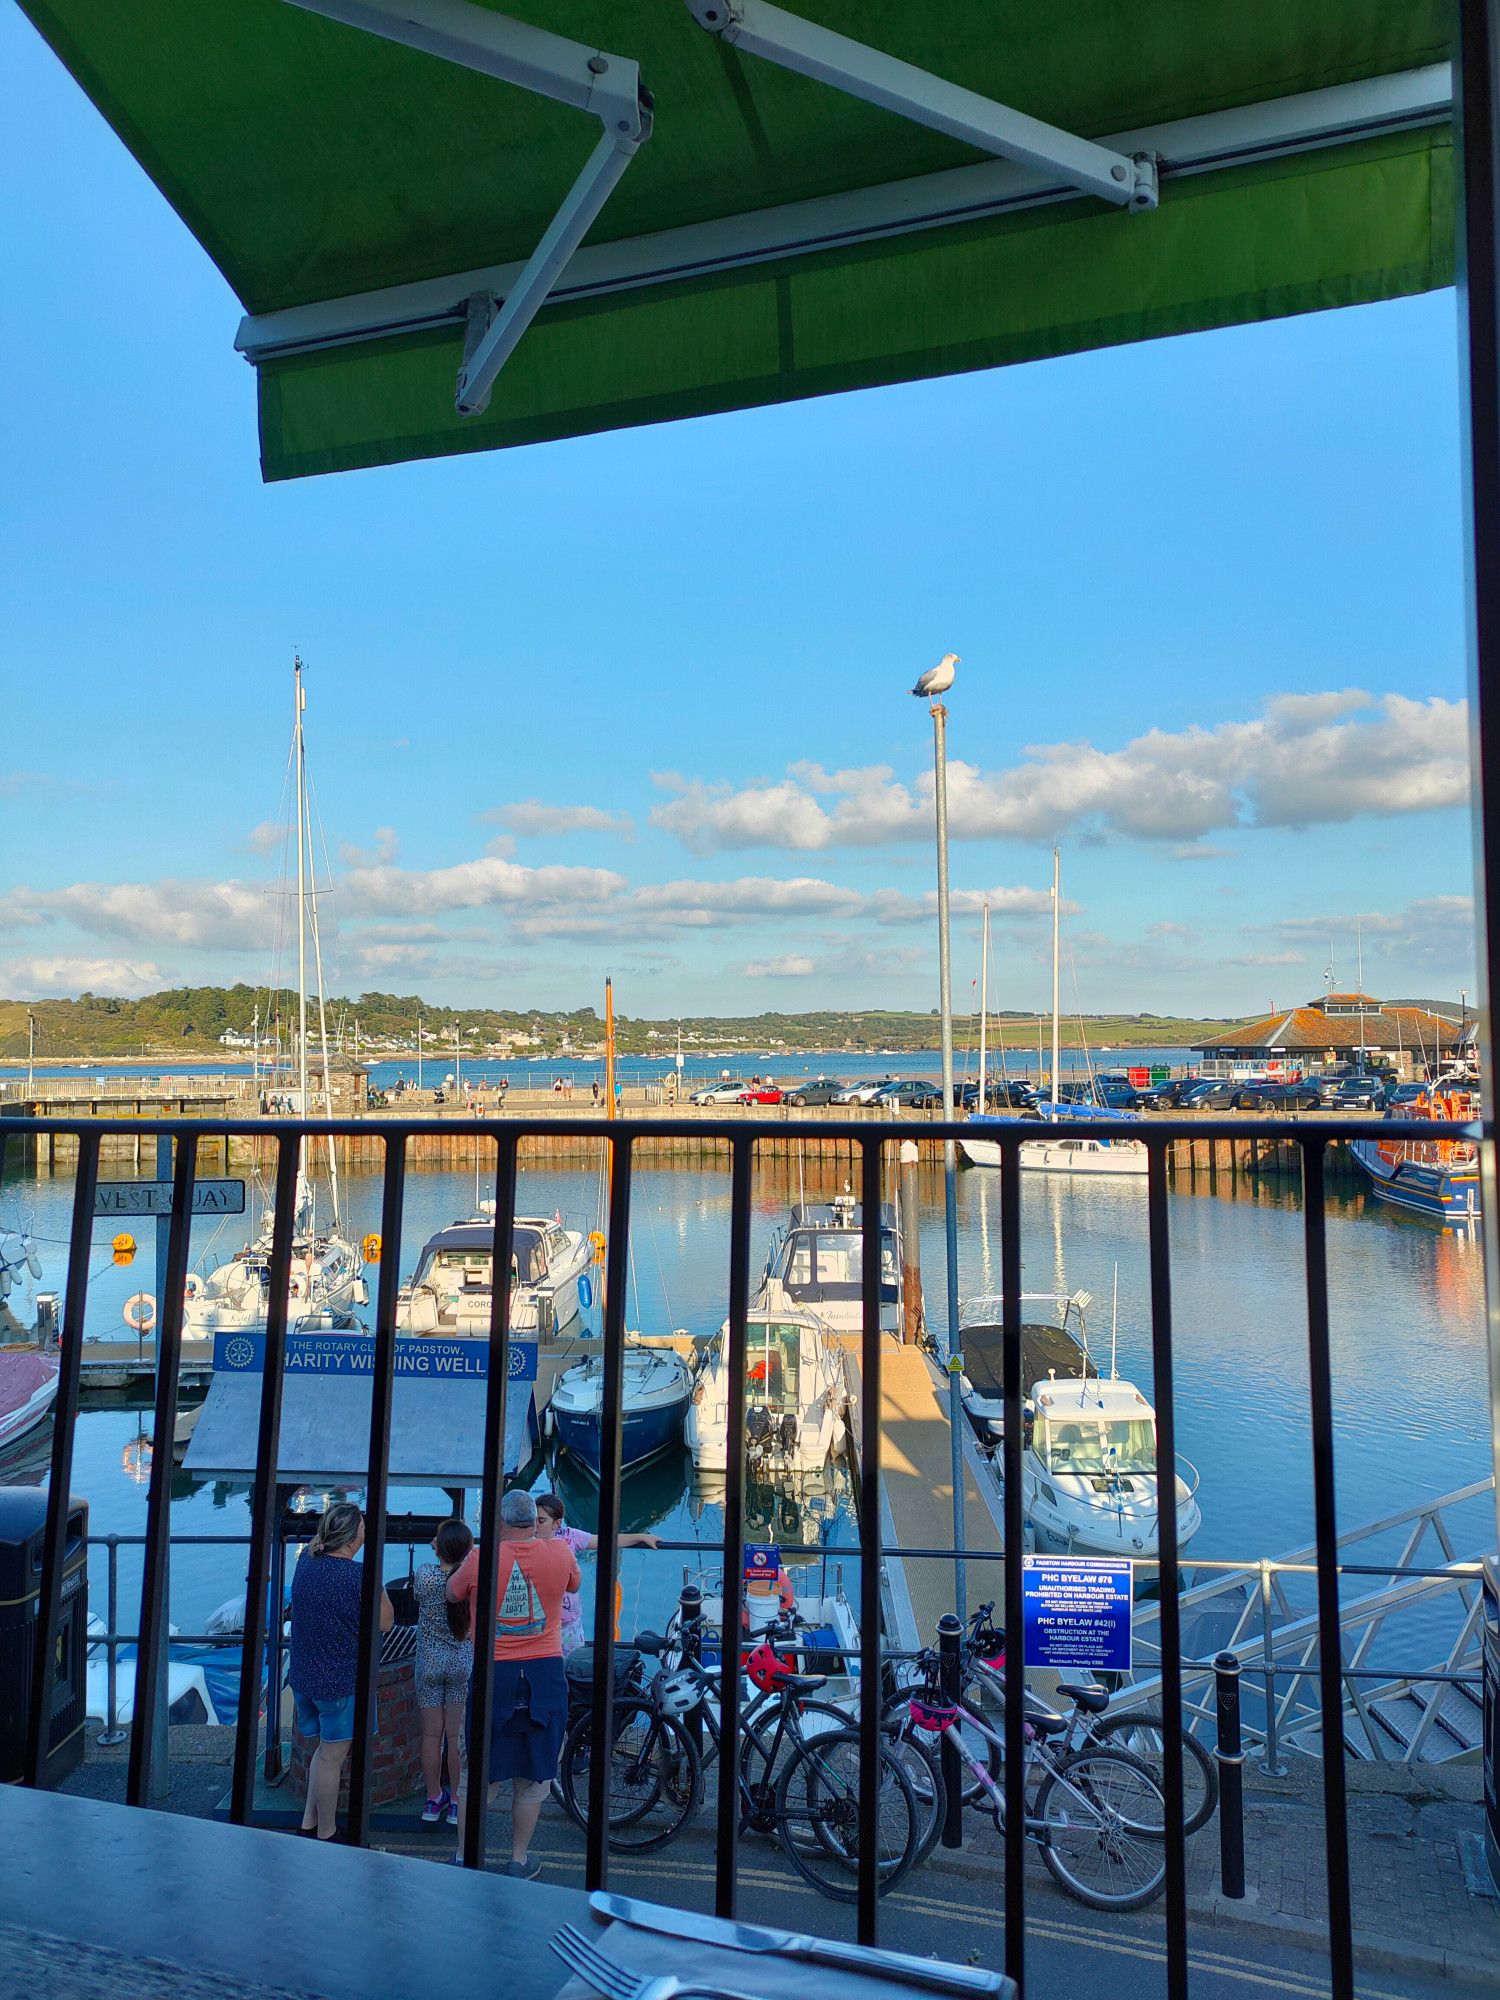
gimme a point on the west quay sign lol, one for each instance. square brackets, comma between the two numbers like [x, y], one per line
[353, 1354]
[155, 1198]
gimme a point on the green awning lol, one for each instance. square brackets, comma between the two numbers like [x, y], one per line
[317, 162]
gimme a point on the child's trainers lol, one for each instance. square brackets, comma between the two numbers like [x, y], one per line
[451, 1809]
[433, 1811]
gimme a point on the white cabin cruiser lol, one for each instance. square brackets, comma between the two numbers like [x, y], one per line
[450, 1291]
[1041, 1152]
[818, 1261]
[1089, 1463]
[796, 1390]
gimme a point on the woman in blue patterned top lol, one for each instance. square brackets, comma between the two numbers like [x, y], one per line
[326, 1588]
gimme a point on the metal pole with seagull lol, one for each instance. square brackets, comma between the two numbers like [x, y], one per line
[937, 681]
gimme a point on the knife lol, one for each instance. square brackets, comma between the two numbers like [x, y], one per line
[929, 1972]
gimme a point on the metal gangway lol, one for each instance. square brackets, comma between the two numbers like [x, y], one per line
[1410, 1635]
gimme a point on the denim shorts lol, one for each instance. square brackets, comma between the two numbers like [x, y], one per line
[330, 1721]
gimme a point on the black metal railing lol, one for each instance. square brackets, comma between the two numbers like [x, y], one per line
[621, 1140]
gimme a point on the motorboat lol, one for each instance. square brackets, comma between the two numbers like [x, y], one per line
[450, 1292]
[817, 1259]
[796, 1391]
[28, 1389]
[809, 1604]
[1432, 1177]
[1111, 1152]
[190, 1698]
[657, 1382]
[1090, 1479]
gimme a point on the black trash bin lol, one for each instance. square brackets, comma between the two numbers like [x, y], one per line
[23, 1518]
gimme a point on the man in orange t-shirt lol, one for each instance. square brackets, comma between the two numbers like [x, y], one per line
[529, 1709]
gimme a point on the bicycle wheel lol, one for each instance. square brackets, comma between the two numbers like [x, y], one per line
[1142, 1733]
[1103, 1829]
[763, 1759]
[896, 1713]
[819, 1796]
[655, 1776]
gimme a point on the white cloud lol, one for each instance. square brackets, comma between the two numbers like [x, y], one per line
[229, 916]
[51, 978]
[794, 965]
[472, 885]
[267, 837]
[534, 817]
[386, 848]
[1429, 931]
[1307, 760]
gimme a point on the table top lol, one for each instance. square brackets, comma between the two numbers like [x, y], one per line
[153, 1904]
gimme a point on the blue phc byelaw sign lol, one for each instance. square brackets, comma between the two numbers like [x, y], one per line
[354, 1354]
[1076, 1613]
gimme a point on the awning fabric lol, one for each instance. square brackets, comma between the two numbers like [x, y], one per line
[313, 160]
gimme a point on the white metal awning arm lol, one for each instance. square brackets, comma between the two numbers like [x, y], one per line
[761, 29]
[572, 73]
[1336, 115]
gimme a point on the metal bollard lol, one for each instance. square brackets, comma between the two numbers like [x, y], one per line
[112, 1733]
[690, 1621]
[1230, 1758]
[950, 1636]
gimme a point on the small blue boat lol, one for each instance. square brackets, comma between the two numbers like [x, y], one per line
[657, 1385]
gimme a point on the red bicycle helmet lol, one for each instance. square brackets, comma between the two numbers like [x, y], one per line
[766, 1667]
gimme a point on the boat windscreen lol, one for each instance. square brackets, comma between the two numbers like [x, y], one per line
[829, 1264]
[1045, 1350]
[772, 1352]
[462, 1255]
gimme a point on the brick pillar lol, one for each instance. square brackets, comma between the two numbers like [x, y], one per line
[398, 1741]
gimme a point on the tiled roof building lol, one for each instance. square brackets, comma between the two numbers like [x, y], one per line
[1335, 1027]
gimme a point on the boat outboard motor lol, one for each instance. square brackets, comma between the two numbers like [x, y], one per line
[789, 1433]
[757, 1427]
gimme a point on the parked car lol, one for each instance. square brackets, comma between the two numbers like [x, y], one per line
[1278, 1094]
[1211, 1093]
[1354, 1093]
[1402, 1096]
[1120, 1096]
[864, 1093]
[912, 1095]
[1002, 1094]
[720, 1093]
[818, 1090]
[762, 1093]
[1169, 1095]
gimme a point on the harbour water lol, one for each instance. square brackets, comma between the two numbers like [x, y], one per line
[1406, 1304]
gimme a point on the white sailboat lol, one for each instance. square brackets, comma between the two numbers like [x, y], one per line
[327, 1277]
[1106, 1154]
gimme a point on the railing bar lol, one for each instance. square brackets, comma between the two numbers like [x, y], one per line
[611, 1423]
[492, 1492]
[726, 1850]
[154, 1620]
[868, 1925]
[372, 1580]
[60, 1473]
[1325, 1520]
[265, 1501]
[1015, 1543]
[1169, 1579]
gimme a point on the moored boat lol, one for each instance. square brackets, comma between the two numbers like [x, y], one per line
[1090, 1482]
[1111, 1152]
[796, 1391]
[450, 1292]
[818, 1261]
[656, 1385]
[1433, 1177]
[28, 1389]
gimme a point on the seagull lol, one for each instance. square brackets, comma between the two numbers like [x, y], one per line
[938, 679]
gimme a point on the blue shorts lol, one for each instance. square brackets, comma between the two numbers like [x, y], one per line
[328, 1721]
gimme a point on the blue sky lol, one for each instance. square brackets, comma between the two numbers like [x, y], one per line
[638, 704]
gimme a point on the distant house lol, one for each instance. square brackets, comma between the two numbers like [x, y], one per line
[232, 1039]
[1336, 1028]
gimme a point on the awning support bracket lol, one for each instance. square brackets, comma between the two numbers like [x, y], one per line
[761, 29]
[588, 79]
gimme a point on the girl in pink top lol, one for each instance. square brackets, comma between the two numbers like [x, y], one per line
[551, 1519]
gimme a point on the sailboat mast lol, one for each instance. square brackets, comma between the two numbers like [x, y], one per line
[1056, 965]
[299, 760]
[609, 1050]
[984, 1009]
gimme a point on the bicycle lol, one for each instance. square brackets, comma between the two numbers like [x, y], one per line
[1141, 1732]
[798, 1783]
[1098, 1812]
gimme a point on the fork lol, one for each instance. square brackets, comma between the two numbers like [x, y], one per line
[618, 1982]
